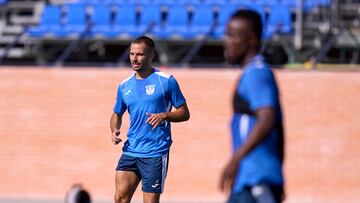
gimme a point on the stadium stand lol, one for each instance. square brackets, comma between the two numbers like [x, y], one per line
[279, 21]
[180, 26]
[125, 22]
[176, 25]
[50, 21]
[75, 21]
[150, 17]
[185, 23]
[202, 23]
[101, 22]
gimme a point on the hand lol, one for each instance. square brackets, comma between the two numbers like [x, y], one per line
[228, 176]
[115, 137]
[155, 119]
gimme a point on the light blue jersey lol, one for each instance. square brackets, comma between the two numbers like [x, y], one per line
[257, 89]
[157, 93]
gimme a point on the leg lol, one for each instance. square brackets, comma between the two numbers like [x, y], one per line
[153, 173]
[126, 183]
[151, 197]
[127, 179]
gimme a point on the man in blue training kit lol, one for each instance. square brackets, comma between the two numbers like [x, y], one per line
[254, 172]
[148, 95]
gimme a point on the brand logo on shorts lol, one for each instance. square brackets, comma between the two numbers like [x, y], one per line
[150, 89]
[156, 184]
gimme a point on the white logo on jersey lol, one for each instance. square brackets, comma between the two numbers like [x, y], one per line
[127, 92]
[150, 89]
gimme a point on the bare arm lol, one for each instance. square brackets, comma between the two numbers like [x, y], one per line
[265, 119]
[180, 114]
[115, 124]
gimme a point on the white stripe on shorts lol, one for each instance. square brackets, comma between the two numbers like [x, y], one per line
[164, 170]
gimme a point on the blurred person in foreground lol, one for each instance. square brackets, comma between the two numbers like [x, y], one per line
[77, 194]
[148, 95]
[254, 172]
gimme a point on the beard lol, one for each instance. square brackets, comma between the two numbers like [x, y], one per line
[233, 59]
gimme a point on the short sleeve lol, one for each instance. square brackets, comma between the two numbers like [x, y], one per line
[176, 97]
[261, 89]
[120, 106]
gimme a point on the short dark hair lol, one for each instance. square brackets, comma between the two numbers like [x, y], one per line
[253, 18]
[146, 40]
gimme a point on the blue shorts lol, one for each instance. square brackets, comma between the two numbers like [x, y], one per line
[262, 193]
[152, 171]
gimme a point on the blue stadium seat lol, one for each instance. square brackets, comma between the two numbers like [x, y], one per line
[244, 3]
[150, 18]
[262, 3]
[125, 22]
[324, 2]
[88, 2]
[279, 21]
[75, 23]
[105, 1]
[143, 2]
[167, 2]
[308, 5]
[85, 2]
[268, 3]
[202, 21]
[289, 3]
[49, 22]
[188, 2]
[120, 2]
[217, 2]
[176, 25]
[225, 13]
[100, 19]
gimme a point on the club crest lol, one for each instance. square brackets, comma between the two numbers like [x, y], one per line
[150, 89]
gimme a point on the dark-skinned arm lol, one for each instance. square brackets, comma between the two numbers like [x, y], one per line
[115, 124]
[265, 120]
[178, 115]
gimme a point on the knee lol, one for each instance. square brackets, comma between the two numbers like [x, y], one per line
[121, 199]
[151, 197]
